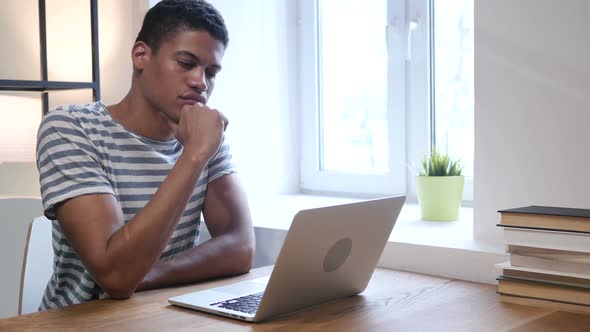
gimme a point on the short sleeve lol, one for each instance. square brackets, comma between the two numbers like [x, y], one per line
[68, 161]
[221, 163]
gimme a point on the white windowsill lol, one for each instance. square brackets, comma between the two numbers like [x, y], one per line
[277, 212]
[445, 248]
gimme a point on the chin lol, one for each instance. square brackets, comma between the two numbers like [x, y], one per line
[172, 117]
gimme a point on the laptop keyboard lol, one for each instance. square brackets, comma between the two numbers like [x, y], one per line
[247, 304]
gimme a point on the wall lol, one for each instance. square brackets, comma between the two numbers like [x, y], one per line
[257, 90]
[119, 22]
[532, 79]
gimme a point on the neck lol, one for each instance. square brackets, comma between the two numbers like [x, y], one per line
[136, 114]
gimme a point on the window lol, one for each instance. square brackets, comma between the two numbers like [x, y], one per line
[379, 88]
[453, 94]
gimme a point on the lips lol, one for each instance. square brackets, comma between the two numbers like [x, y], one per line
[192, 98]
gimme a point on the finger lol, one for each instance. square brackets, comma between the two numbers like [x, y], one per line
[173, 125]
[187, 107]
[225, 121]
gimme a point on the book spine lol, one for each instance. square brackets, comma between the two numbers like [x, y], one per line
[554, 305]
[559, 255]
[548, 264]
[547, 239]
[544, 291]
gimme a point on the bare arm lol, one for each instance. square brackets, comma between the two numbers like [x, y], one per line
[230, 250]
[119, 255]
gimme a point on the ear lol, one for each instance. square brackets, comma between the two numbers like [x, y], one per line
[140, 55]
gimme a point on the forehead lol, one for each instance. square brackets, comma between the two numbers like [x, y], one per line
[197, 42]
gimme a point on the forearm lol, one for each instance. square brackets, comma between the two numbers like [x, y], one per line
[225, 255]
[149, 231]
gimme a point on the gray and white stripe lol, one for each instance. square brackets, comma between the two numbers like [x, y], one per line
[82, 150]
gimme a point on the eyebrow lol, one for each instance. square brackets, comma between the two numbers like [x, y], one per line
[196, 58]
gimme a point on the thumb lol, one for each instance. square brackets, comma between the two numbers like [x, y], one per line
[174, 126]
[225, 121]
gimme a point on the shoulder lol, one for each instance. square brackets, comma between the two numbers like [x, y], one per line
[76, 114]
[221, 164]
[80, 120]
[71, 124]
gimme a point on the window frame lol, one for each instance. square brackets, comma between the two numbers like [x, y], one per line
[410, 109]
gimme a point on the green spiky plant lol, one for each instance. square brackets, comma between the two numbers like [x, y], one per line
[439, 164]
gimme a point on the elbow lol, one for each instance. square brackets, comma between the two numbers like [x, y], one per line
[246, 258]
[119, 294]
[117, 287]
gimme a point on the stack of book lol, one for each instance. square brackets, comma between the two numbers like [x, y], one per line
[549, 250]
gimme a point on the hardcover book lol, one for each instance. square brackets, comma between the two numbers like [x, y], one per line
[544, 291]
[547, 217]
[547, 239]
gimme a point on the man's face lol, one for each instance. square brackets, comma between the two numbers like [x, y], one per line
[181, 72]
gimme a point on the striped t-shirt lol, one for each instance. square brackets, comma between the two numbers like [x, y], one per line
[82, 150]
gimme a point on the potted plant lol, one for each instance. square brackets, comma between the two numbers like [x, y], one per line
[439, 186]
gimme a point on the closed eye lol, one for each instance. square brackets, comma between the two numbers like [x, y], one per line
[211, 74]
[185, 64]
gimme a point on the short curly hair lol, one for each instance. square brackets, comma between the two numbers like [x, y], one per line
[169, 17]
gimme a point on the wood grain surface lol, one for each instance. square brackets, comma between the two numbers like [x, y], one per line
[394, 301]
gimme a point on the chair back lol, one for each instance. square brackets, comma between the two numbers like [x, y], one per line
[37, 265]
[16, 214]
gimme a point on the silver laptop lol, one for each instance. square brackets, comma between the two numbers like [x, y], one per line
[329, 253]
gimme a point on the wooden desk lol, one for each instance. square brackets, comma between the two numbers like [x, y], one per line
[394, 301]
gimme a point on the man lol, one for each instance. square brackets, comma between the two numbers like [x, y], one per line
[126, 184]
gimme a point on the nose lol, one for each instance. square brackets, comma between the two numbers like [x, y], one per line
[197, 80]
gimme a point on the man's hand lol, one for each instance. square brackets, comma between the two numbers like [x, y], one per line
[200, 130]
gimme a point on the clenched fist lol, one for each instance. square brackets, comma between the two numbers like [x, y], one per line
[200, 129]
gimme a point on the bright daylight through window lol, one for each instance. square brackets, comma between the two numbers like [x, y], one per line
[353, 83]
[387, 87]
[453, 79]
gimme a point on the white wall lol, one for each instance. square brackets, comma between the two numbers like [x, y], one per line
[119, 22]
[532, 111]
[257, 91]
